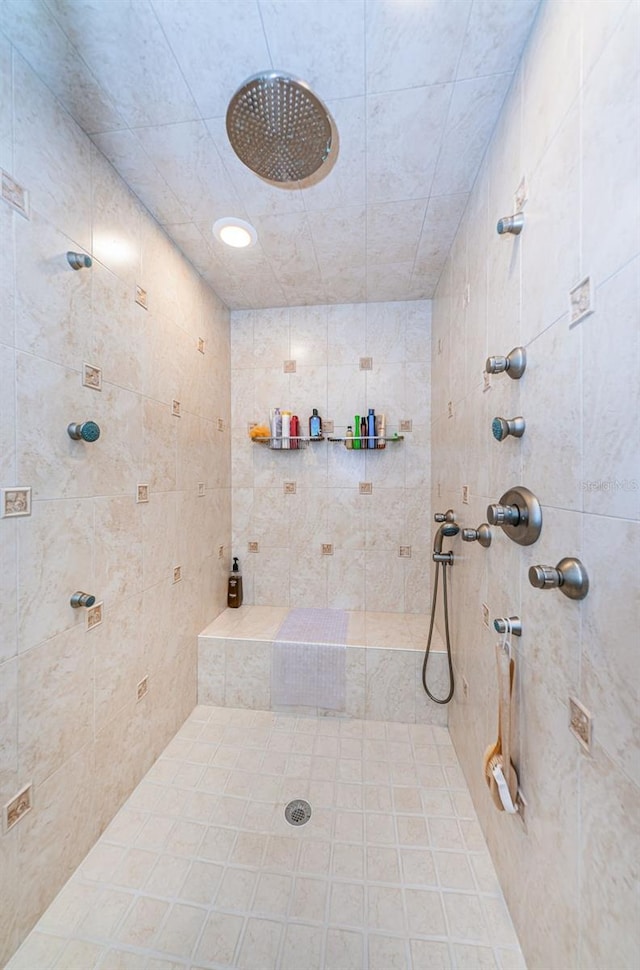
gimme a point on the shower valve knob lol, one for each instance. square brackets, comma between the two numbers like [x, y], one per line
[503, 514]
[501, 428]
[513, 364]
[85, 431]
[79, 260]
[482, 535]
[511, 224]
[82, 599]
[569, 576]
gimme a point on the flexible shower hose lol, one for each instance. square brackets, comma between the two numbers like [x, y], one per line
[446, 699]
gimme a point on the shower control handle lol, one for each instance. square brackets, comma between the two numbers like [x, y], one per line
[503, 514]
[82, 599]
[501, 428]
[482, 535]
[85, 431]
[514, 364]
[508, 624]
[448, 516]
[569, 576]
[513, 224]
[79, 260]
[518, 514]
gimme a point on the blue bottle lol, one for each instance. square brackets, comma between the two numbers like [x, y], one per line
[371, 429]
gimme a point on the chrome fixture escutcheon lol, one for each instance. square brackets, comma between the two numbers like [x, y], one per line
[481, 535]
[518, 514]
[569, 576]
[514, 364]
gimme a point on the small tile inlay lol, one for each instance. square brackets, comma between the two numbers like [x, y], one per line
[220, 424]
[581, 300]
[405, 552]
[177, 574]
[200, 489]
[327, 549]
[450, 409]
[406, 425]
[580, 723]
[486, 381]
[328, 427]
[175, 409]
[94, 616]
[201, 345]
[142, 493]
[141, 297]
[365, 488]
[465, 494]
[92, 377]
[15, 195]
[16, 501]
[289, 366]
[143, 688]
[366, 363]
[254, 547]
[17, 808]
[289, 488]
[521, 196]
[220, 552]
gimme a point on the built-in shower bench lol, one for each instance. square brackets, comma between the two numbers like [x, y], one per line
[382, 664]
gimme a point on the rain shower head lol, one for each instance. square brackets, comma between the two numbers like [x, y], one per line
[280, 129]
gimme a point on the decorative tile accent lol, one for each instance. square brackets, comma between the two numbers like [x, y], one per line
[201, 489]
[15, 195]
[289, 366]
[465, 494]
[327, 549]
[94, 616]
[141, 297]
[406, 425]
[143, 688]
[16, 501]
[439, 350]
[466, 296]
[201, 345]
[254, 547]
[405, 552]
[177, 574]
[142, 493]
[485, 614]
[327, 427]
[486, 381]
[17, 808]
[450, 409]
[220, 424]
[220, 552]
[521, 196]
[581, 300]
[366, 363]
[92, 377]
[175, 409]
[365, 488]
[580, 723]
[289, 488]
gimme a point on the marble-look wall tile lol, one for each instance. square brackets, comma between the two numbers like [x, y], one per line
[9, 739]
[51, 728]
[577, 456]
[328, 344]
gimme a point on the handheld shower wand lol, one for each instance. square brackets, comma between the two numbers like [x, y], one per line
[448, 529]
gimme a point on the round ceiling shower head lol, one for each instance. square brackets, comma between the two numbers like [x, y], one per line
[280, 129]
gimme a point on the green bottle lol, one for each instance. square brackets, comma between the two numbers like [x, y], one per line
[356, 431]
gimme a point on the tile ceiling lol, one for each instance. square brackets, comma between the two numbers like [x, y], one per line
[415, 88]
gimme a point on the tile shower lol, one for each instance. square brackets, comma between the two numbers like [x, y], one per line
[85, 529]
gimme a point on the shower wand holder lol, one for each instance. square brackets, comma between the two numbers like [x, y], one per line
[518, 514]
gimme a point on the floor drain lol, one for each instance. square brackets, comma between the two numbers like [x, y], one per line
[298, 812]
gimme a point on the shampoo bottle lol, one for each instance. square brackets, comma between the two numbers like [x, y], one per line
[356, 431]
[371, 429]
[286, 429]
[381, 430]
[234, 594]
[348, 443]
[276, 429]
[295, 430]
[315, 425]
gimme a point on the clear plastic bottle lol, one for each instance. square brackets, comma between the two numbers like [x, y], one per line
[349, 438]
[276, 429]
[315, 425]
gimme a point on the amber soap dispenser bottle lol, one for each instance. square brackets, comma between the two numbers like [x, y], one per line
[234, 594]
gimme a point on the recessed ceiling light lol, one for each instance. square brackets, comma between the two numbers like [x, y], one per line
[235, 232]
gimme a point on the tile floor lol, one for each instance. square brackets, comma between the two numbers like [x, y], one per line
[200, 869]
